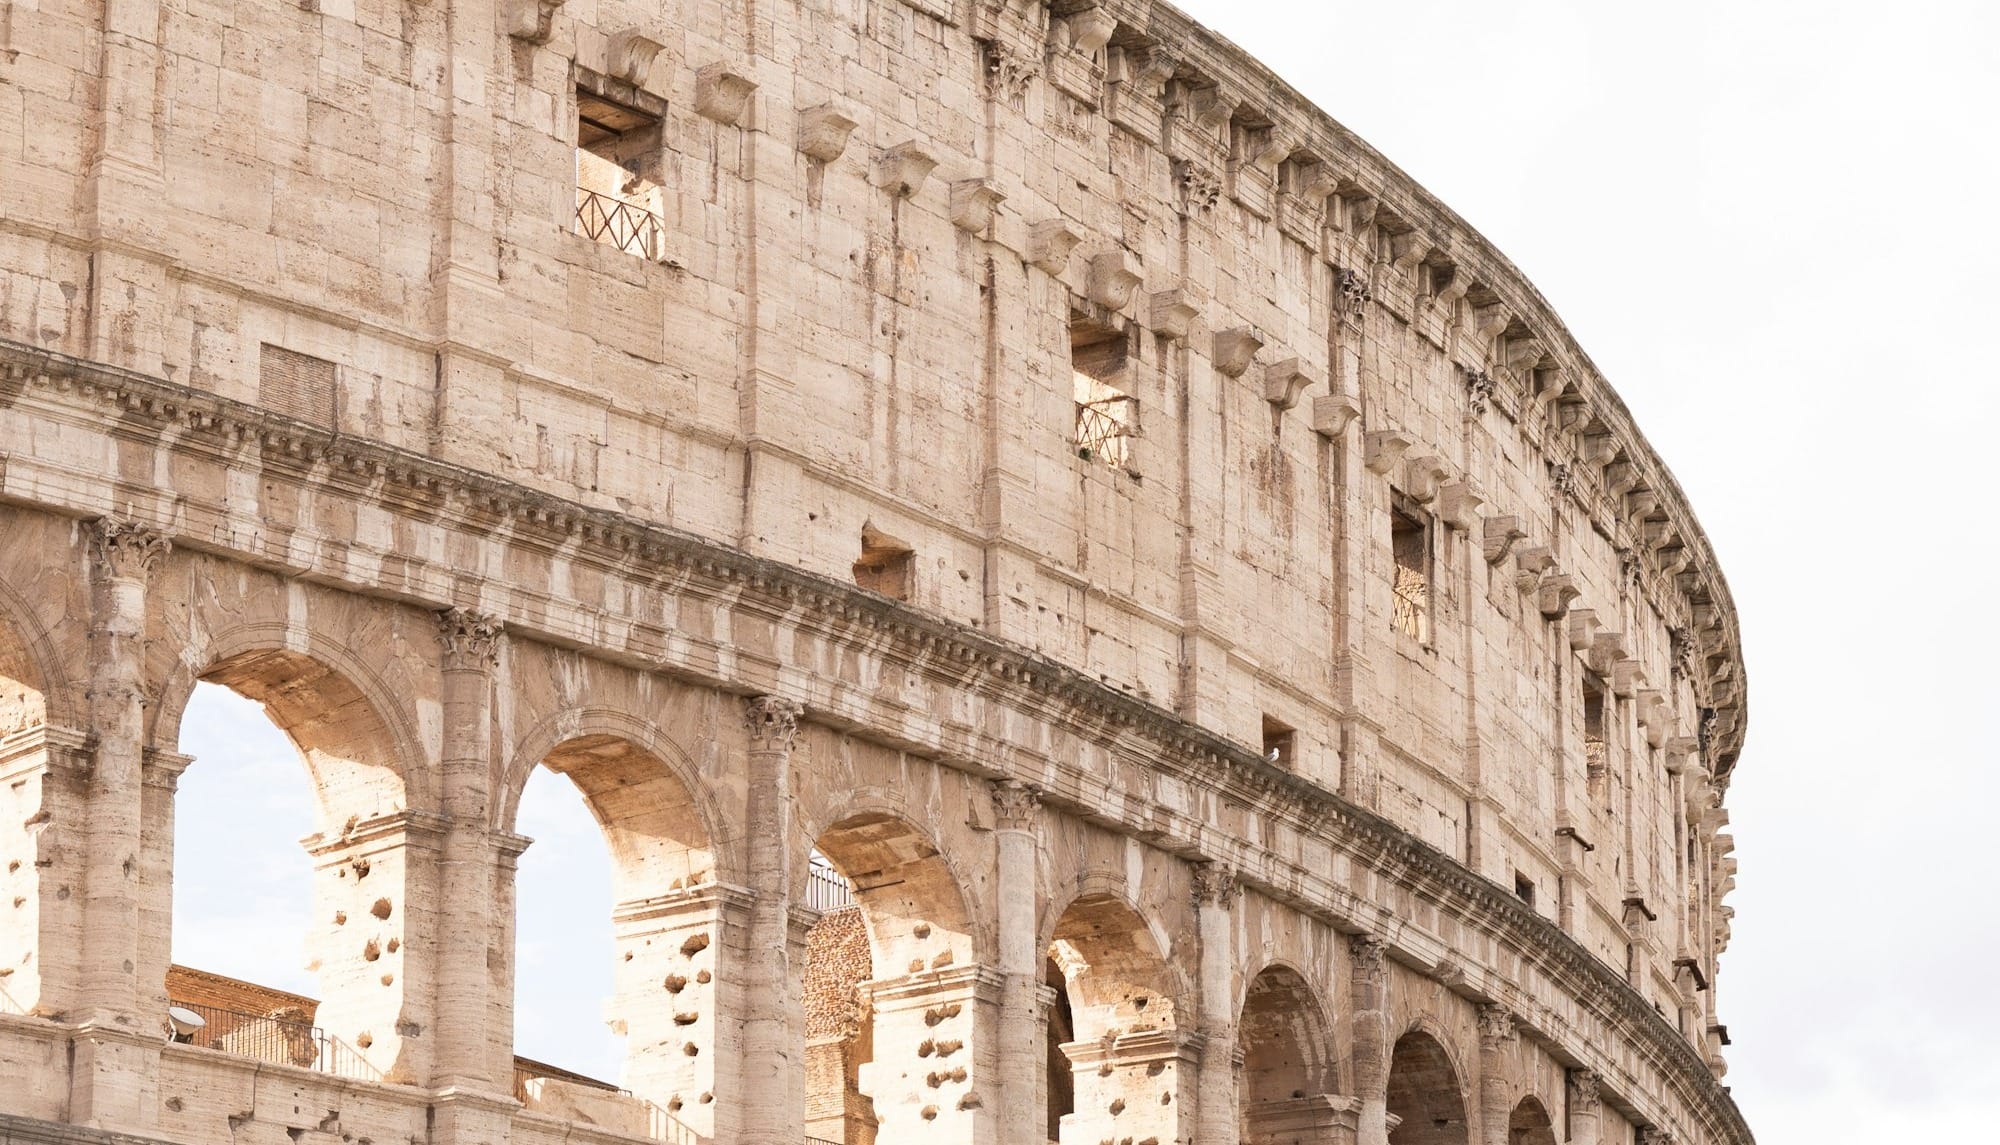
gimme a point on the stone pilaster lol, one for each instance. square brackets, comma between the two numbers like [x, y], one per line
[465, 936]
[1370, 990]
[1496, 1046]
[771, 1078]
[114, 1076]
[1585, 1109]
[1022, 1055]
[1215, 894]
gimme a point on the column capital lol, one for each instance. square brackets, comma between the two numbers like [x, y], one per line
[1653, 1135]
[469, 639]
[1214, 884]
[1496, 1026]
[773, 722]
[1014, 805]
[126, 550]
[1366, 950]
[1583, 1091]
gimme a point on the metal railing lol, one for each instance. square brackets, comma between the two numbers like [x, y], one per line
[617, 223]
[278, 1038]
[826, 888]
[1102, 432]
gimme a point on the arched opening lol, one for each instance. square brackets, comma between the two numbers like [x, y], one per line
[33, 925]
[616, 922]
[1286, 1088]
[1426, 1106]
[1128, 1063]
[894, 1016]
[1529, 1124]
[1060, 1084]
[242, 892]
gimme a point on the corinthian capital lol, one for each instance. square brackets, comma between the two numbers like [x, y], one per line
[773, 722]
[1496, 1025]
[1214, 884]
[1366, 952]
[126, 550]
[1014, 805]
[1583, 1091]
[469, 639]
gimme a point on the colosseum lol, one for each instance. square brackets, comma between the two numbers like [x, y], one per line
[1088, 607]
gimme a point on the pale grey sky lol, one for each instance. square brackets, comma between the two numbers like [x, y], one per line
[1771, 225]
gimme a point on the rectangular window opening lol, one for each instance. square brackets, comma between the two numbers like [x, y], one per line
[1280, 744]
[1524, 888]
[619, 197]
[887, 565]
[1107, 416]
[1410, 541]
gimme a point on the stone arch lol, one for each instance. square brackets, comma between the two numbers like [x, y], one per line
[1288, 1071]
[374, 854]
[34, 690]
[38, 735]
[1530, 1124]
[656, 820]
[1426, 1097]
[1130, 1061]
[353, 733]
[900, 1025]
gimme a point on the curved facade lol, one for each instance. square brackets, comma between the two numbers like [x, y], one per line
[1089, 607]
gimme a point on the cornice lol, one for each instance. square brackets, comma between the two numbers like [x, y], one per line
[175, 417]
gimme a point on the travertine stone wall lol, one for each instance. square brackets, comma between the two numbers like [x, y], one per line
[636, 487]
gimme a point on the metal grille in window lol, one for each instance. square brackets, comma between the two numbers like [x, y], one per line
[617, 223]
[1103, 429]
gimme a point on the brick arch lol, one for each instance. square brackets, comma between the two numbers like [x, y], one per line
[661, 822]
[1425, 1089]
[358, 742]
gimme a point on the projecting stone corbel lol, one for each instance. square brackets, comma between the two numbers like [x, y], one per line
[1598, 448]
[1361, 208]
[1524, 353]
[1529, 565]
[1452, 288]
[1553, 594]
[723, 95]
[1640, 503]
[1582, 628]
[1274, 148]
[1458, 506]
[1211, 108]
[1489, 320]
[1676, 752]
[1382, 447]
[1235, 348]
[973, 202]
[1111, 280]
[902, 169]
[1050, 243]
[629, 56]
[1627, 677]
[530, 20]
[1284, 381]
[1659, 534]
[1422, 476]
[1090, 29]
[1619, 477]
[1332, 413]
[1649, 703]
[1409, 248]
[1171, 312]
[1502, 533]
[823, 132]
[1607, 649]
[1674, 558]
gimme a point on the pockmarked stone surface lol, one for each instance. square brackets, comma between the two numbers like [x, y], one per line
[1088, 606]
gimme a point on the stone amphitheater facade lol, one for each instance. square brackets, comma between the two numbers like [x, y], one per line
[1020, 466]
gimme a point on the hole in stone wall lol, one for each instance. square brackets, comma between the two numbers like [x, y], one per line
[887, 565]
[1410, 544]
[1107, 415]
[1280, 744]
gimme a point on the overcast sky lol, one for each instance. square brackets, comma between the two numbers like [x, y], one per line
[1773, 227]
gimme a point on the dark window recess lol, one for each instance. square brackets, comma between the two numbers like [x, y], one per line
[887, 565]
[1410, 542]
[1107, 416]
[1596, 748]
[619, 157]
[296, 385]
[1280, 744]
[1524, 888]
